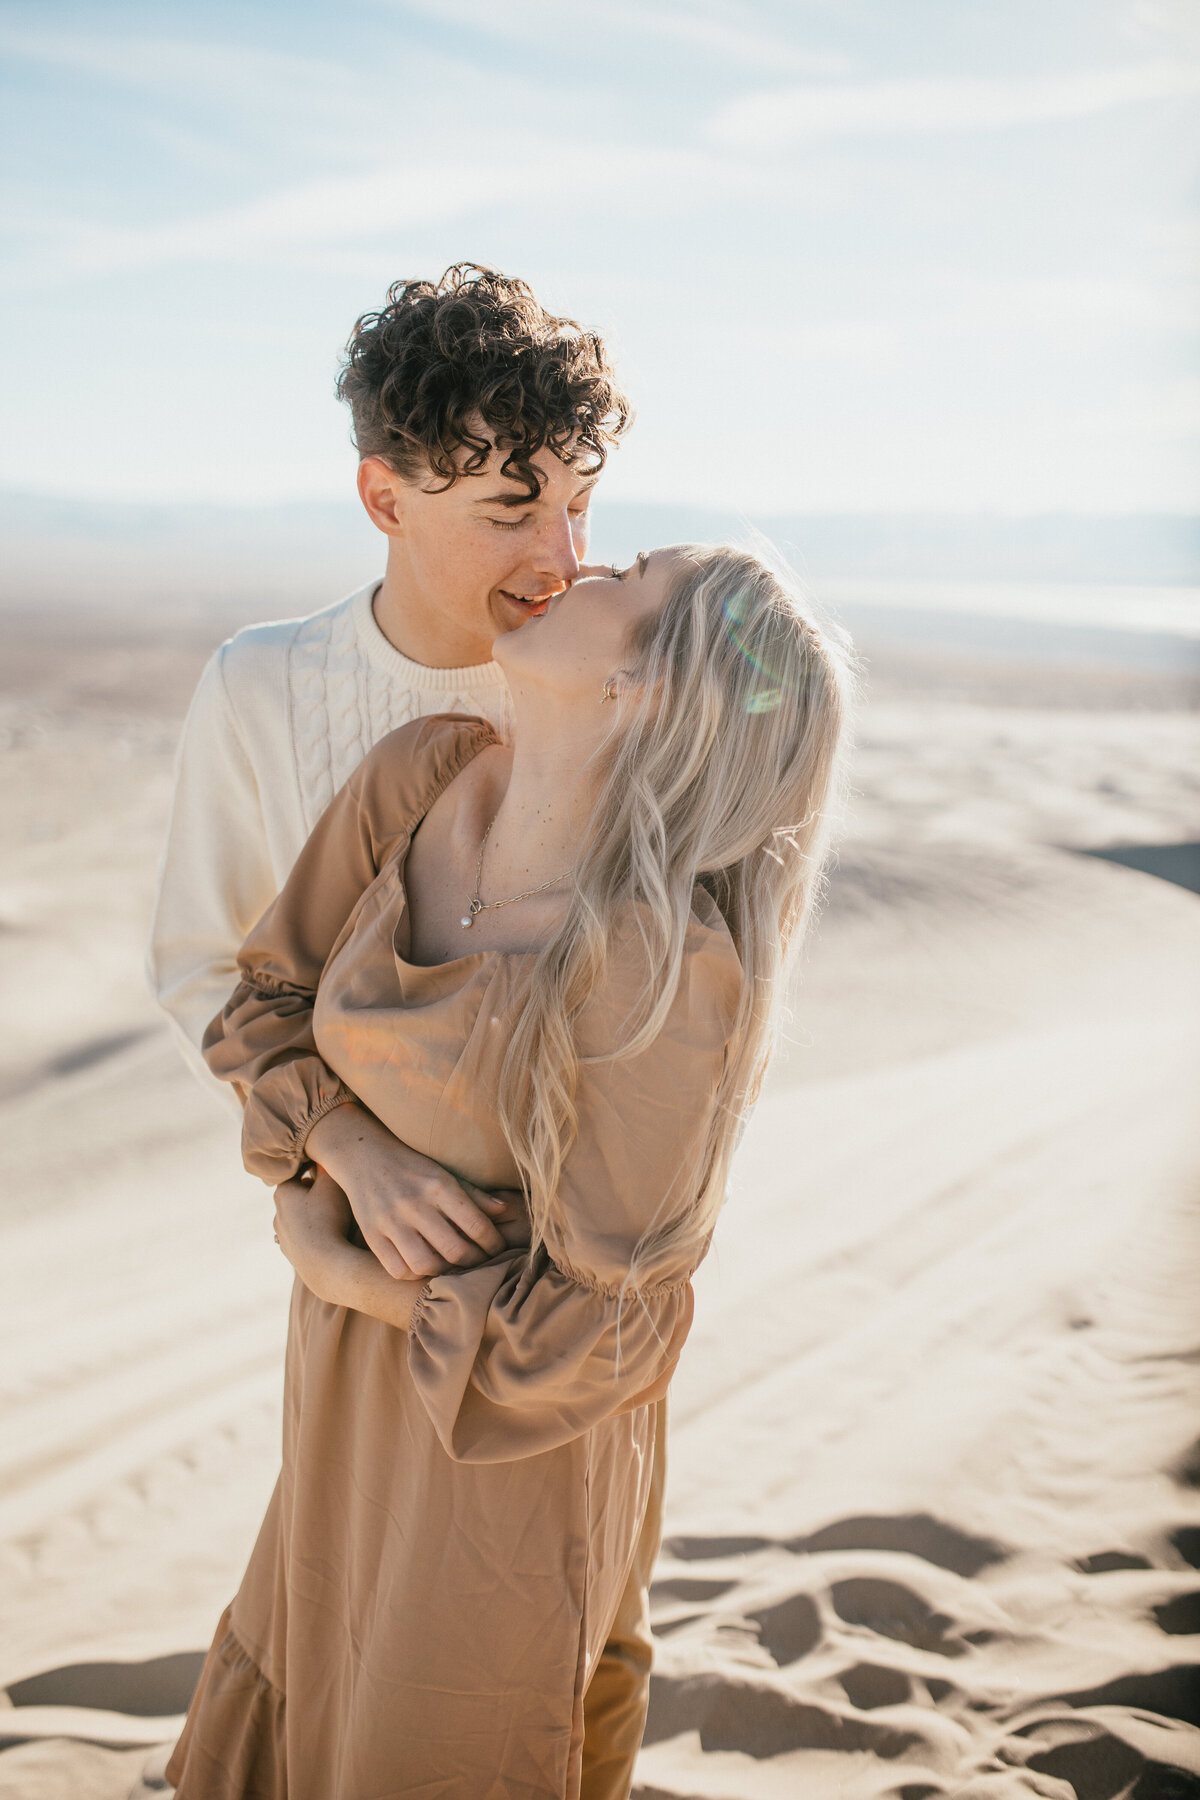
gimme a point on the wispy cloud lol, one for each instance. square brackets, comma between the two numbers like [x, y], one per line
[229, 107]
[730, 34]
[1072, 305]
[372, 206]
[853, 341]
[1166, 24]
[877, 108]
[198, 71]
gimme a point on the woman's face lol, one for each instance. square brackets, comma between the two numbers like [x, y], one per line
[582, 639]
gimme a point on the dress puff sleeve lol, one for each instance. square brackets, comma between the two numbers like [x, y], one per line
[522, 1354]
[262, 1042]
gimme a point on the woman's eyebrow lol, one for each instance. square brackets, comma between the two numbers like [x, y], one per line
[643, 557]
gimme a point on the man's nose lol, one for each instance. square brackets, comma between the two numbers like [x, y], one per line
[557, 552]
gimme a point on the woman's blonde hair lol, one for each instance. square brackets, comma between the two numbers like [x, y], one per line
[723, 771]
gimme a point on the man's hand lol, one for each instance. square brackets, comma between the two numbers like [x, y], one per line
[415, 1217]
[312, 1222]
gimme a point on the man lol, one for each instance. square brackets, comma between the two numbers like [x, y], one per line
[482, 425]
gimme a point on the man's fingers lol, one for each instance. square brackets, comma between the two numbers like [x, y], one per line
[515, 1213]
[325, 1200]
[504, 1208]
[393, 1259]
[422, 1259]
[409, 1259]
[462, 1212]
[501, 1197]
[459, 1251]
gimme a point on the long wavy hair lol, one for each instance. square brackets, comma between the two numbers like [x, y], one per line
[723, 771]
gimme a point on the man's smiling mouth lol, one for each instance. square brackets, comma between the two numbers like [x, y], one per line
[532, 603]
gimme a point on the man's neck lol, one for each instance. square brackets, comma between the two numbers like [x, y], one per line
[421, 632]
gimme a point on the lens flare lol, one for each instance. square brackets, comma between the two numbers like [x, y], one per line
[765, 700]
[769, 696]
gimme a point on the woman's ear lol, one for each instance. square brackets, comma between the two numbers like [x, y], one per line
[621, 685]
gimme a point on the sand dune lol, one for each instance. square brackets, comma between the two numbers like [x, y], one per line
[934, 1522]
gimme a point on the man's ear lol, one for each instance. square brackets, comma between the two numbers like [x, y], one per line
[379, 489]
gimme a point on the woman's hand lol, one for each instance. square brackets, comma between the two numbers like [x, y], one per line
[415, 1217]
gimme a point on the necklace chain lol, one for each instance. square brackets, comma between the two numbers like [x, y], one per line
[475, 905]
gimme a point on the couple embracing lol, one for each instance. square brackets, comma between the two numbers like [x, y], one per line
[480, 892]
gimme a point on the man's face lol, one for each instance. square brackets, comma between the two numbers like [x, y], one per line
[481, 553]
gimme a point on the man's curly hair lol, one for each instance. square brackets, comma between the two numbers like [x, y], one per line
[440, 357]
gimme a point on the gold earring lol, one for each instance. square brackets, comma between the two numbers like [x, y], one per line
[610, 690]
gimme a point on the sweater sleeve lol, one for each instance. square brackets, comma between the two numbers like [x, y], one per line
[262, 1042]
[216, 877]
[522, 1354]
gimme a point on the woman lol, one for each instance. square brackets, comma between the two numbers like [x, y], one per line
[553, 969]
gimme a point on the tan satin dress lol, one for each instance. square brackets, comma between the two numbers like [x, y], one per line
[459, 1504]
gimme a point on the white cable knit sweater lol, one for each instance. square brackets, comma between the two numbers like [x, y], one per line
[283, 715]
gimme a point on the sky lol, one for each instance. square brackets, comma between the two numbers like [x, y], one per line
[851, 255]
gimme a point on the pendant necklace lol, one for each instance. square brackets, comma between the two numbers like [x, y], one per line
[475, 905]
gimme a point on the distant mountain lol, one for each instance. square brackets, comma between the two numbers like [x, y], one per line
[192, 546]
[1145, 549]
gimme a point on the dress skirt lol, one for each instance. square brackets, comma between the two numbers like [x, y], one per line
[411, 1625]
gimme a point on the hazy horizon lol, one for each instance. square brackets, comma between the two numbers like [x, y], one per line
[1143, 549]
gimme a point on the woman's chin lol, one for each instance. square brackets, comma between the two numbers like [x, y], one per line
[516, 647]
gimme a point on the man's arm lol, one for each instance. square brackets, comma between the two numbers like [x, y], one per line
[216, 877]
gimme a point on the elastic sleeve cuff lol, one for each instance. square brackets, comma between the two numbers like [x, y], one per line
[342, 1097]
[280, 1112]
[420, 1305]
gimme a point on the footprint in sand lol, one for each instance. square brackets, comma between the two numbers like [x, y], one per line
[913, 1534]
[1185, 1541]
[157, 1688]
[868, 1686]
[1187, 1470]
[789, 1630]
[896, 1612]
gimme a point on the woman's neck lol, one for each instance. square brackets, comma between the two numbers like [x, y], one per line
[537, 826]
